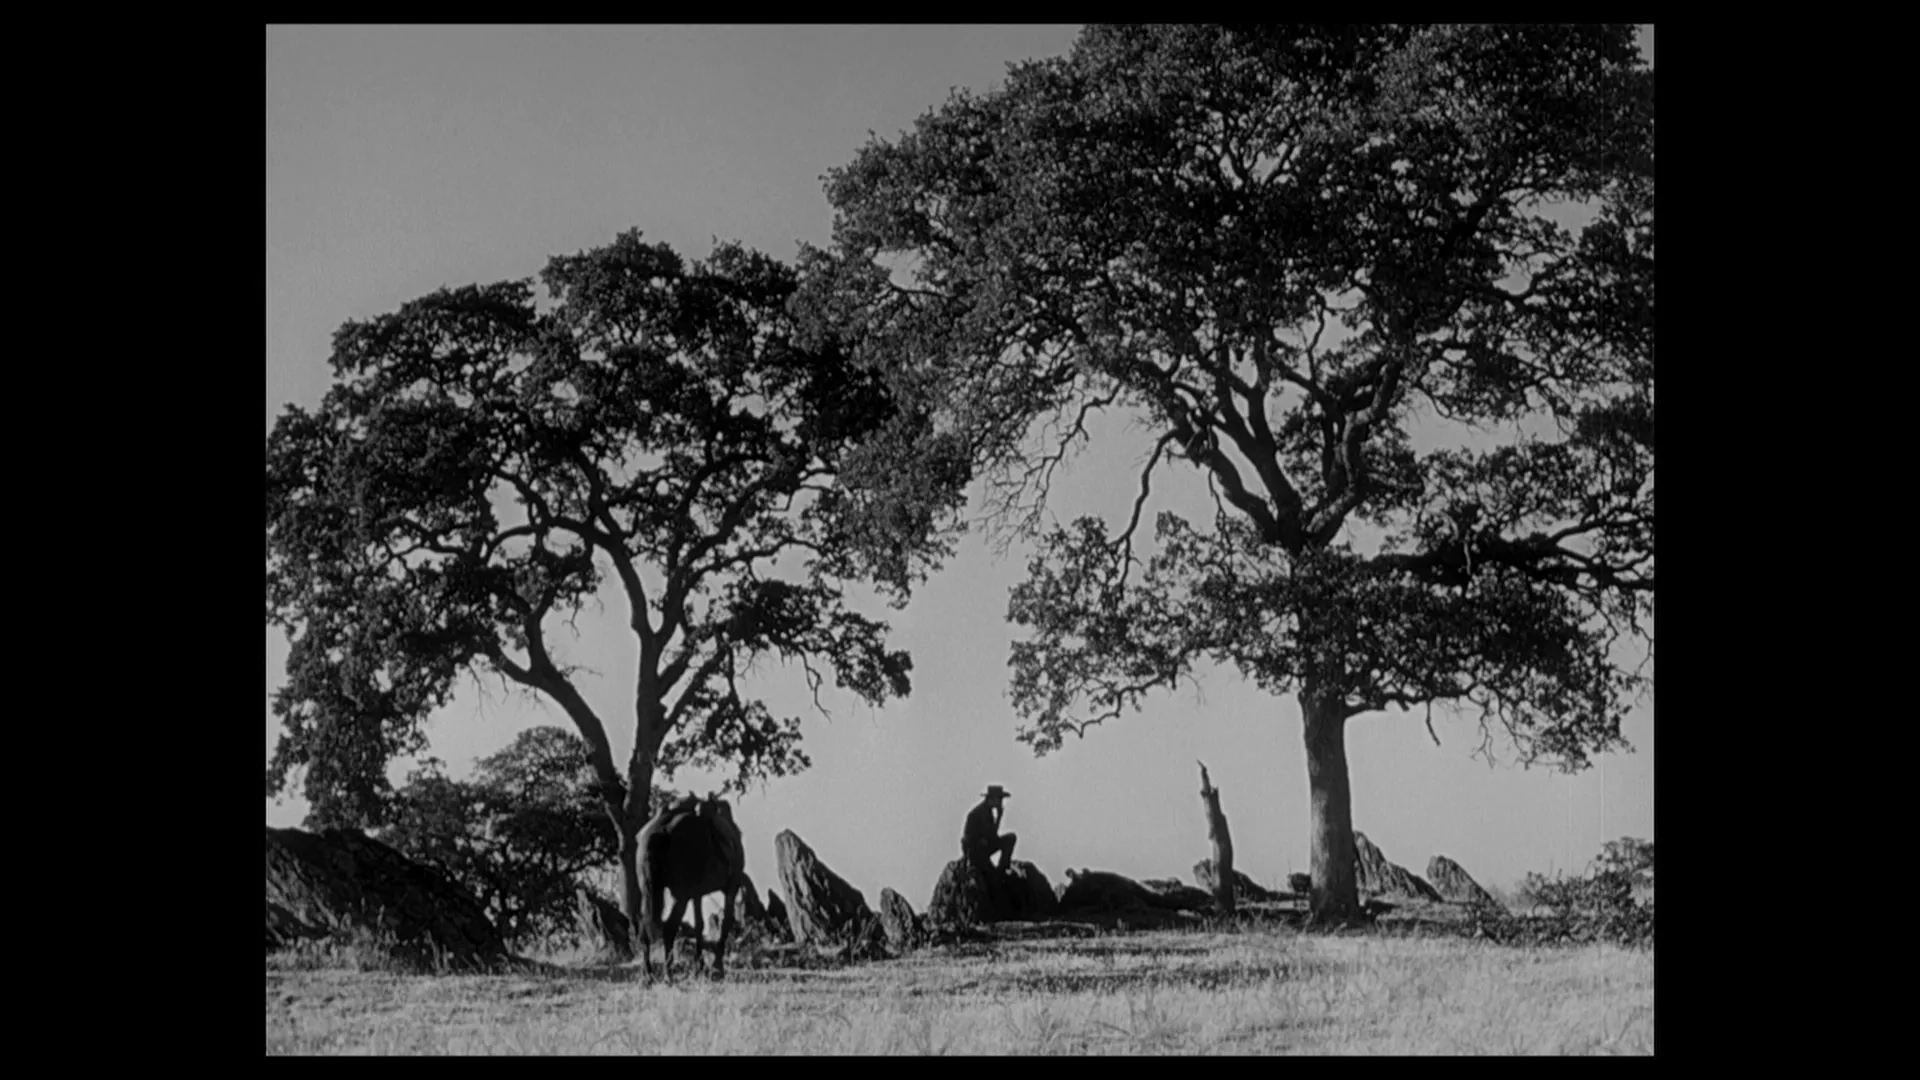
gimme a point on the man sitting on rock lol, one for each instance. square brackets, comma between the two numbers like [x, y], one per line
[982, 839]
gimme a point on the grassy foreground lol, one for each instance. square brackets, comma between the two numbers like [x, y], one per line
[1267, 991]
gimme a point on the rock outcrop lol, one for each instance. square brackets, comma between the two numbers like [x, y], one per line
[963, 896]
[865, 939]
[779, 923]
[824, 909]
[1382, 878]
[746, 903]
[341, 880]
[1244, 888]
[1101, 890]
[1029, 893]
[903, 929]
[1182, 896]
[284, 929]
[1452, 882]
[751, 918]
[602, 927]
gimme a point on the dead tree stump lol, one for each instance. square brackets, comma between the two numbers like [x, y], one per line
[1222, 844]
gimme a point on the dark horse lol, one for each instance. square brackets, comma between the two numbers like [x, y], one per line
[694, 848]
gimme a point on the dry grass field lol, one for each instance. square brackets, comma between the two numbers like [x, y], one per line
[1247, 990]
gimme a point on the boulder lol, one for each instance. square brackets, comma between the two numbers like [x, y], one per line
[963, 896]
[1244, 887]
[902, 926]
[602, 926]
[749, 915]
[825, 908]
[1301, 884]
[341, 880]
[1382, 878]
[1183, 896]
[1452, 882]
[779, 923]
[866, 939]
[1029, 894]
[284, 929]
[1100, 890]
[746, 903]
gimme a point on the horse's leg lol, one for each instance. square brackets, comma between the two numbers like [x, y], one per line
[672, 926]
[699, 931]
[726, 924]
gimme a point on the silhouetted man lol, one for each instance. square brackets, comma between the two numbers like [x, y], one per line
[982, 839]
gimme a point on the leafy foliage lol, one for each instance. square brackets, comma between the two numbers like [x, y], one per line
[520, 834]
[1630, 856]
[1608, 884]
[1284, 248]
[486, 455]
[1599, 905]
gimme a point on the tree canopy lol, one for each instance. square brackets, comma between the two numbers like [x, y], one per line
[521, 833]
[489, 454]
[1291, 250]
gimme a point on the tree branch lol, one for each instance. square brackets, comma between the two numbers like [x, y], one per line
[1125, 540]
[700, 676]
[540, 674]
[1256, 443]
[1351, 476]
[682, 577]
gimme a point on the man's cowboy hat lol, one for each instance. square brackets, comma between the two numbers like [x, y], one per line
[995, 791]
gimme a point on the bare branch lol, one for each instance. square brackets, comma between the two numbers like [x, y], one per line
[814, 681]
[1125, 540]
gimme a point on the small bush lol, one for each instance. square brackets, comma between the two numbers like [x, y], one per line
[1599, 905]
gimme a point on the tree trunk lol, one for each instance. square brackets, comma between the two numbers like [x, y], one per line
[626, 829]
[629, 801]
[630, 904]
[639, 809]
[1336, 892]
[1223, 887]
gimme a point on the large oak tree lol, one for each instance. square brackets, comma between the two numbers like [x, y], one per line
[1286, 250]
[487, 455]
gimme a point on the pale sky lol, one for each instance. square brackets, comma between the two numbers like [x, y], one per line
[400, 160]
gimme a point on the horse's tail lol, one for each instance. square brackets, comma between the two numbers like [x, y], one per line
[653, 881]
